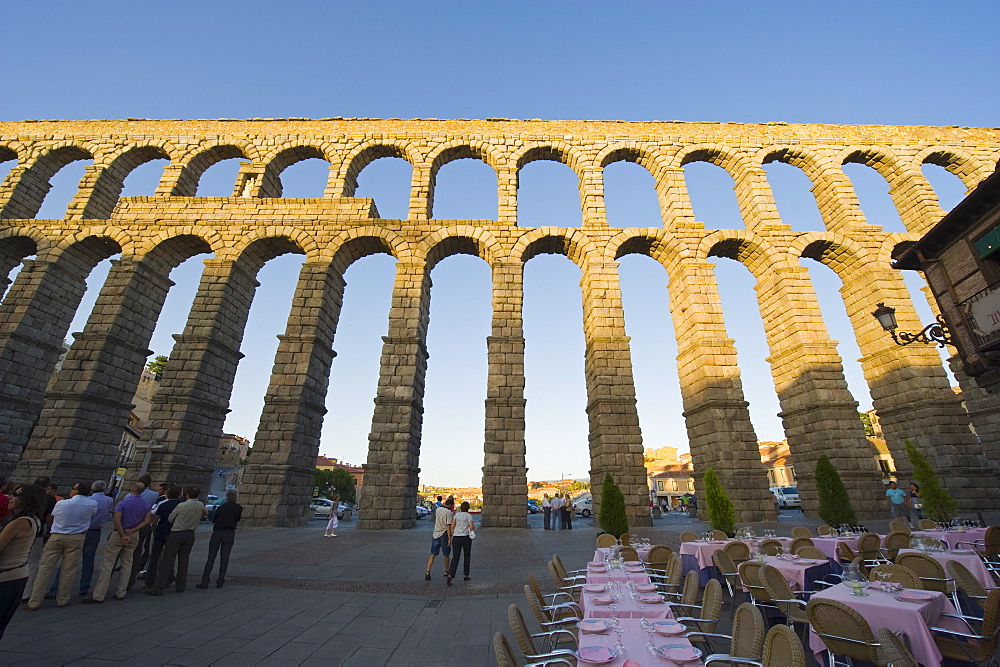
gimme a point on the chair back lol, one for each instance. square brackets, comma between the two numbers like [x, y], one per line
[810, 552]
[689, 536]
[520, 631]
[625, 539]
[628, 553]
[894, 652]
[750, 576]
[895, 541]
[674, 574]
[719, 535]
[991, 622]
[555, 576]
[800, 542]
[536, 589]
[560, 568]
[605, 540]
[658, 557]
[846, 553]
[711, 605]
[771, 547]
[992, 541]
[726, 568]
[824, 530]
[965, 580]
[898, 526]
[738, 551]
[536, 607]
[779, 589]
[801, 531]
[689, 594]
[870, 546]
[843, 631]
[782, 648]
[898, 574]
[931, 572]
[927, 524]
[748, 633]
[504, 653]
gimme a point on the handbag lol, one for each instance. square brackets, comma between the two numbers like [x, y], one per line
[472, 534]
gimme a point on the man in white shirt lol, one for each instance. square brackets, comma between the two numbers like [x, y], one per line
[70, 522]
[556, 505]
[439, 538]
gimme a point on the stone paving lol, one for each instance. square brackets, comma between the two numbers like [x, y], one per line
[293, 597]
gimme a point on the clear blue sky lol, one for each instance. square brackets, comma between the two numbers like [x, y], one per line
[849, 62]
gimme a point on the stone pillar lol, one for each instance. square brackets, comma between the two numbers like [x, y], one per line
[818, 412]
[175, 183]
[755, 199]
[87, 407]
[34, 318]
[394, 443]
[915, 199]
[913, 398]
[11, 205]
[12, 253]
[192, 401]
[505, 476]
[719, 430]
[984, 412]
[421, 193]
[250, 181]
[835, 198]
[277, 484]
[89, 201]
[615, 437]
[595, 213]
[507, 194]
[675, 204]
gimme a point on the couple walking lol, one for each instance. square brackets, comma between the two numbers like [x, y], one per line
[452, 530]
[558, 512]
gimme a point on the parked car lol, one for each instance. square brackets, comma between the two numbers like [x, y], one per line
[321, 508]
[584, 506]
[422, 512]
[787, 496]
[534, 507]
[212, 506]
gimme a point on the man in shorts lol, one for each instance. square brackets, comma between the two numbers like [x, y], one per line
[439, 541]
[899, 501]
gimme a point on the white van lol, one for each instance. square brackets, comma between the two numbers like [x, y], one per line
[787, 496]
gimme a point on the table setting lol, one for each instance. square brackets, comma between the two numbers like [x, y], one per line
[634, 642]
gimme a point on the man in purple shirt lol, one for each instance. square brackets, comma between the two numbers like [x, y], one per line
[131, 516]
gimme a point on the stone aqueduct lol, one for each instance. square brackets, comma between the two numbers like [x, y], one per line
[72, 429]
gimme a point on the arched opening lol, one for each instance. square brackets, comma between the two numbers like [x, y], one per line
[387, 181]
[305, 179]
[451, 450]
[65, 184]
[465, 189]
[219, 179]
[144, 179]
[948, 187]
[712, 192]
[186, 277]
[8, 161]
[13, 253]
[95, 282]
[364, 318]
[630, 196]
[793, 195]
[548, 195]
[872, 191]
[921, 297]
[556, 426]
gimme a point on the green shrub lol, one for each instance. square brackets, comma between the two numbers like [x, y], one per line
[720, 509]
[938, 503]
[834, 502]
[612, 516]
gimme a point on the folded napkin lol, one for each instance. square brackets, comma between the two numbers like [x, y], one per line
[914, 596]
[633, 563]
[602, 599]
[595, 653]
[598, 568]
[595, 588]
[650, 599]
[962, 552]
[645, 588]
[680, 653]
[668, 627]
[593, 625]
[807, 561]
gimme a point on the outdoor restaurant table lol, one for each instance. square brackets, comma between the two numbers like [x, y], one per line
[698, 556]
[802, 575]
[603, 552]
[829, 545]
[970, 560]
[882, 610]
[626, 606]
[608, 574]
[634, 638]
[953, 537]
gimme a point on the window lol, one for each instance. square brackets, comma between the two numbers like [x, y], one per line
[675, 485]
[659, 486]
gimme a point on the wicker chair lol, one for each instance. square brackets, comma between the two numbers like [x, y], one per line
[967, 582]
[688, 597]
[988, 549]
[550, 600]
[737, 551]
[783, 649]
[719, 535]
[562, 584]
[927, 524]
[810, 552]
[801, 531]
[707, 619]
[870, 550]
[898, 574]
[771, 547]
[897, 526]
[625, 539]
[783, 597]
[670, 583]
[605, 540]
[893, 650]
[526, 640]
[550, 619]
[689, 536]
[895, 541]
[825, 530]
[843, 631]
[799, 542]
[754, 585]
[628, 553]
[979, 647]
[747, 641]
[504, 652]
[726, 569]
[575, 574]
[658, 558]
[846, 553]
[931, 573]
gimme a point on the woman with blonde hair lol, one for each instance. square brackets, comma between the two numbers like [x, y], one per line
[460, 534]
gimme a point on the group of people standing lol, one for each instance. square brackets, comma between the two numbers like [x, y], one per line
[558, 512]
[905, 504]
[46, 540]
[453, 530]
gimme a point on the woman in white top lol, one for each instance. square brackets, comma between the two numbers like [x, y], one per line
[460, 541]
[28, 507]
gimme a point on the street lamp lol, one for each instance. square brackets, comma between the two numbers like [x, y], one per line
[936, 332]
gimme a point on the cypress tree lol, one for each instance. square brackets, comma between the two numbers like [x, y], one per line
[612, 516]
[720, 509]
[834, 502]
[938, 503]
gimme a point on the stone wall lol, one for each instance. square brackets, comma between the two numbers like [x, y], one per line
[74, 429]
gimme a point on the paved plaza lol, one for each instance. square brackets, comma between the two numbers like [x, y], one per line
[294, 597]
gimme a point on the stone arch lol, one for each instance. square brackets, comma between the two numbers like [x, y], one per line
[171, 252]
[16, 243]
[7, 153]
[263, 245]
[644, 156]
[461, 240]
[205, 235]
[195, 164]
[555, 151]
[102, 242]
[747, 248]
[753, 192]
[911, 194]
[459, 150]
[271, 185]
[557, 241]
[363, 155]
[353, 244]
[730, 159]
[660, 246]
[958, 162]
[35, 182]
[831, 188]
[108, 186]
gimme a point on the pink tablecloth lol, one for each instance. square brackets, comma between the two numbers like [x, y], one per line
[601, 553]
[971, 561]
[616, 575]
[702, 551]
[796, 574]
[635, 639]
[829, 545]
[882, 610]
[624, 607]
[953, 537]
